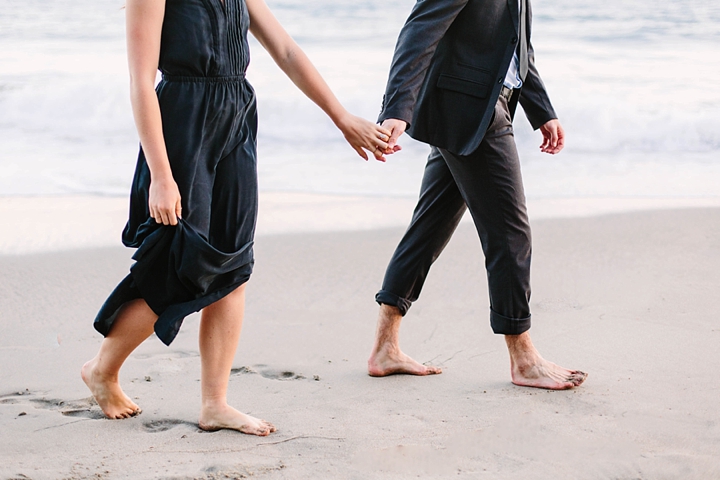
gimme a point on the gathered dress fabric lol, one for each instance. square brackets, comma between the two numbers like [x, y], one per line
[209, 123]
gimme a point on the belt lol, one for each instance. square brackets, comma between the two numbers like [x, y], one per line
[193, 79]
[506, 92]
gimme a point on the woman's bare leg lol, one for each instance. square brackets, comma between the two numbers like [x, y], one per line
[134, 324]
[220, 327]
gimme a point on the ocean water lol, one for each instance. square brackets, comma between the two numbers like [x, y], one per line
[634, 83]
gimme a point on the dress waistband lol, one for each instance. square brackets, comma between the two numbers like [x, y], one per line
[193, 79]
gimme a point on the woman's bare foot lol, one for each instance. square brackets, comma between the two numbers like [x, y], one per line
[220, 416]
[386, 357]
[107, 393]
[529, 369]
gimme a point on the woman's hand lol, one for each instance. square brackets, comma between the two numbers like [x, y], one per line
[362, 134]
[164, 201]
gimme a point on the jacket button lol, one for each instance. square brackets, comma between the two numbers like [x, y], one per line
[500, 80]
[514, 40]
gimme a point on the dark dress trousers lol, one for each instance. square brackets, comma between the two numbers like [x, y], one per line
[445, 81]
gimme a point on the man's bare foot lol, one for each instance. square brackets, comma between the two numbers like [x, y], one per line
[386, 357]
[529, 369]
[107, 393]
[394, 362]
[223, 416]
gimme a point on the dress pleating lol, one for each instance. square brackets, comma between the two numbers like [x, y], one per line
[209, 121]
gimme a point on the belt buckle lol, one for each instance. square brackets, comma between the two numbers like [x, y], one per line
[506, 92]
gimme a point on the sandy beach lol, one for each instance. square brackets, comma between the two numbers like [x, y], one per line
[625, 272]
[629, 297]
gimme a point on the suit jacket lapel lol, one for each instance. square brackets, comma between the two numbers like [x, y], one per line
[514, 6]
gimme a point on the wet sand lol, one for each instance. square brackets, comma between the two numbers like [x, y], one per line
[630, 298]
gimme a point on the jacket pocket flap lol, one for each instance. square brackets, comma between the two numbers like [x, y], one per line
[463, 85]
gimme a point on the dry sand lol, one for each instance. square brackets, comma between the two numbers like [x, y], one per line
[631, 298]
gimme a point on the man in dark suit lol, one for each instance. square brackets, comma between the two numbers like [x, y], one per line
[460, 68]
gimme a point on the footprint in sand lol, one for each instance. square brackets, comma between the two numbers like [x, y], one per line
[268, 372]
[157, 426]
[84, 407]
[8, 400]
[170, 355]
[241, 370]
[92, 414]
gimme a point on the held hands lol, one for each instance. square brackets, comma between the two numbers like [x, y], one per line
[553, 137]
[164, 201]
[362, 134]
[396, 128]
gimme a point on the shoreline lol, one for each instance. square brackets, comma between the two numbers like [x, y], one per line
[52, 223]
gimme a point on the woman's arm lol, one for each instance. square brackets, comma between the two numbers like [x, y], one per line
[292, 60]
[144, 27]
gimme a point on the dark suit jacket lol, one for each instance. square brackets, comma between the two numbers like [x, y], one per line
[450, 62]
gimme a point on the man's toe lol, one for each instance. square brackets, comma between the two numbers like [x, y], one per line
[579, 378]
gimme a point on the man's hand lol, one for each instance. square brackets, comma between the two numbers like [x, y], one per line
[553, 137]
[396, 128]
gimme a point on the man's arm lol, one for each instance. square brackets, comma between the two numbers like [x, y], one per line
[533, 96]
[416, 45]
[538, 109]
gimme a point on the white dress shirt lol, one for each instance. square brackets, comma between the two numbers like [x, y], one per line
[512, 78]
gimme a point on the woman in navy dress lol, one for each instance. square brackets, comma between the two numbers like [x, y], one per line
[193, 203]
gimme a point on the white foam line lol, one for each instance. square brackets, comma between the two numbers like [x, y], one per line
[54, 223]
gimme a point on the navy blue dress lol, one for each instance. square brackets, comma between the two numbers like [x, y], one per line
[209, 123]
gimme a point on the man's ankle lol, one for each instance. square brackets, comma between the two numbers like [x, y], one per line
[519, 343]
[385, 349]
[390, 313]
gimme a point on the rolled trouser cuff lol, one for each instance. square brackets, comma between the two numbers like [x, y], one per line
[503, 325]
[389, 298]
